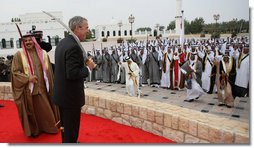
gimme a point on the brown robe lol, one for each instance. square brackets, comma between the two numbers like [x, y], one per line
[36, 110]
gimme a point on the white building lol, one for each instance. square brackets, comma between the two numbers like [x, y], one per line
[178, 17]
[51, 29]
[112, 30]
[115, 29]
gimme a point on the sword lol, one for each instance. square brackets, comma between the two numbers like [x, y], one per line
[66, 27]
[23, 42]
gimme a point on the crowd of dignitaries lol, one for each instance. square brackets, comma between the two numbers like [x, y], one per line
[218, 66]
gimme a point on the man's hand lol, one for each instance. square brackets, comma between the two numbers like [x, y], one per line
[90, 63]
[33, 79]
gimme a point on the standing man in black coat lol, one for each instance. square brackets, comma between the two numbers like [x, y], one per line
[70, 72]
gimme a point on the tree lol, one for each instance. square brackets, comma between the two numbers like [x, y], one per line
[196, 26]
[144, 29]
[93, 32]
[161, 28]
[66, 33]
[171, 25]
[89, 34]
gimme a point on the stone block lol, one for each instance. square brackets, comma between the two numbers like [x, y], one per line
[86, 99]
[1, 89]
[108, 114]
[127, 109]
[143, 113]
[125, 122]
[91, 110]
[108, 104]
[96, 101]
[135, 111]
[1, 96]
[228, 137]
[240, 139]
[184, 124]
[7, 89]
[215, 135]
[193, 127]
[159, 118]
[150, 115]
[119, 107]
[202, 141]
[90, 101]
[100, 112]
[84, 109]
[157, 129]
[116, 114]
[136, 122]
[167, 120]
[118, 120]
[8, 96]
[203, 131]
[125, 117]
[174, 135]
[113, 106]
[191, 139]
[147, 126]
[102, 103]
[175, 122]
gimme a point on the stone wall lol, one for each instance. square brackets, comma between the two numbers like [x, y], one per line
[5, 91]
[176, 123]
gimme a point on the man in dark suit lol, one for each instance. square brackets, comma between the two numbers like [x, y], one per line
[70, 72]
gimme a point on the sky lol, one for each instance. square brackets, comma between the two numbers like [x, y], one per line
[147, 13]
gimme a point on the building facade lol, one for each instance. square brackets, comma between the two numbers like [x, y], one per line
[52, 30]
[114, 29]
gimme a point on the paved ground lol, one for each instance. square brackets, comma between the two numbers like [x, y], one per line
[208, 104]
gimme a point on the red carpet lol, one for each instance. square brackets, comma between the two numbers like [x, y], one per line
[92, 130]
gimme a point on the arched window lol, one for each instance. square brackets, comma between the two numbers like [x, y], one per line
[11, 43]
[119, 33]
[114, 33]
[155, 33]
[102, 34]
[3, 43]
[130, 32]
[125, 32]
[108, 33]
[18, 43]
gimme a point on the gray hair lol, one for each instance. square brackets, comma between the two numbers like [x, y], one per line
[76, 21]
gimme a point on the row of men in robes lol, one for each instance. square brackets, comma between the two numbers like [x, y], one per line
[160, 62]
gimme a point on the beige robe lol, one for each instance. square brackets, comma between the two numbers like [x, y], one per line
[36, 110]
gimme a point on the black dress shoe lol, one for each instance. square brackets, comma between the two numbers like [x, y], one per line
[228, 106]
[221, 104]
[191, 100]
[197, 98]
[34, 135]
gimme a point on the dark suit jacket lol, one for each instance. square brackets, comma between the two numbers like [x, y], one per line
[69, 74]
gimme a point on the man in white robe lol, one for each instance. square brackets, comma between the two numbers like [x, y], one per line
[132, 77]
[193, 72]
[207, 71]
[166, 62]
[242, 74]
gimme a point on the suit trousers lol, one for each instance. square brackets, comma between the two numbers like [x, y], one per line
[70, 121]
